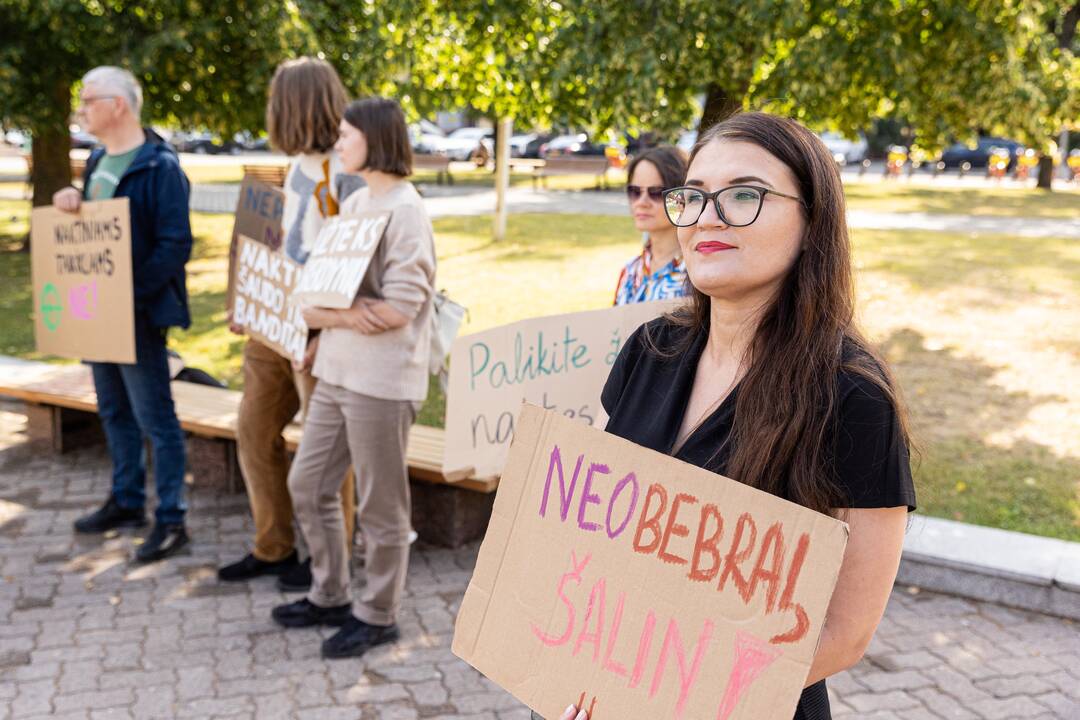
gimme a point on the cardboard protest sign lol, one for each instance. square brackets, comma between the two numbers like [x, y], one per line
[559, 362]
[653, 588]
[258, 216]
[84, 303]
[263, 281]
[339, 259]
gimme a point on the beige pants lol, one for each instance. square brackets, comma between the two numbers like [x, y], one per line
[372, 433]
[273, 393]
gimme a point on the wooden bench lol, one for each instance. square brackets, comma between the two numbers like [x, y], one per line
[448, 509]
[578, 165]
[439, 163]
[269, 174]
[78, 167]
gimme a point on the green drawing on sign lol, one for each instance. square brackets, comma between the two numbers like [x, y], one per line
[51, 309]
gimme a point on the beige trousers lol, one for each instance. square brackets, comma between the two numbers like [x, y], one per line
[343, 427]
[273, 392]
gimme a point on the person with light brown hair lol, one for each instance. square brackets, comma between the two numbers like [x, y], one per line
[764, 376]
[305, 105]
[373, 377]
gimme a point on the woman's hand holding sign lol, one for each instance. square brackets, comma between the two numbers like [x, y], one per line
[368, 316]
[572, 713]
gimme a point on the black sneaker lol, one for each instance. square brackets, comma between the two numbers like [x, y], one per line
[164, 540]
[304, 613]
[356, 637]
[251, 567]
[110, 516]
[297, 578]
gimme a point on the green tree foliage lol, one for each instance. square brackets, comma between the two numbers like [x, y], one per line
[201, 63]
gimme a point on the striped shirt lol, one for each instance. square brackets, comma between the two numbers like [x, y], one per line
[639, 283]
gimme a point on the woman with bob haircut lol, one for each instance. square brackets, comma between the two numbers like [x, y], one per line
[302, 114]
[764, 376]
[658, 273]
[372, 368]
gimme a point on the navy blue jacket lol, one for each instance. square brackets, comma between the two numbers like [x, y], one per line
[161, 240]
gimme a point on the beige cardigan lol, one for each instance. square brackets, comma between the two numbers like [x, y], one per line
[391, 365]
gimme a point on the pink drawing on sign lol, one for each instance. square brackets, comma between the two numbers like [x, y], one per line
[752, 655]
[82, 301]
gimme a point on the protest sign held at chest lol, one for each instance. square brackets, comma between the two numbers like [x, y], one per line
[82, 281]
[263, 282]
[658, 588]
[339, 259]
[559, 362]
[259, 210]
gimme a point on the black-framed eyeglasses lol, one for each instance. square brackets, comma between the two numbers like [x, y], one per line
[737, 206]
[656, 192]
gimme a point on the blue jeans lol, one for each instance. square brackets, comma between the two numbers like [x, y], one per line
[135, 401]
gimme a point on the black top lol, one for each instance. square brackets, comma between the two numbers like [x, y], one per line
[646, 397]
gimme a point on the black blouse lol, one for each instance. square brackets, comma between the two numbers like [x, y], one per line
[646, 397]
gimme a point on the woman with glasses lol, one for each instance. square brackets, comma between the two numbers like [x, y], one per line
[658, 272]
[764, 376]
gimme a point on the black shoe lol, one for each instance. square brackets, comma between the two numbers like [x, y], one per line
[297, 578]
[304, 613]
[110, 516]
[251, 567]
[356, 637]
[164, 540]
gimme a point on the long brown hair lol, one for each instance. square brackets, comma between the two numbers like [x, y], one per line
[305, 106]
[786, 404]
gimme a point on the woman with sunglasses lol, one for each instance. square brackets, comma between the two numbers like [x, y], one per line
[658, 272]
[764, 376]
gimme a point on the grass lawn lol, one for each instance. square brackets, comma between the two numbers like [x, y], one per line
[981, 330]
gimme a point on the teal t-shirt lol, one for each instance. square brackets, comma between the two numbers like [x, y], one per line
[107, 174]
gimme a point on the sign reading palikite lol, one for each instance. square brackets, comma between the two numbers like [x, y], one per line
[559, 362]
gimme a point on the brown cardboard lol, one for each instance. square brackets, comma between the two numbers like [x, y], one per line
[263, 281]
[559, 362]
[258, 216]
[339, 259]
[581, 599]
[82, 288]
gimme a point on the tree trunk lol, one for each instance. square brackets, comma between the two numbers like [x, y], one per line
[1046, 173]
[719, 105]
[51, 148]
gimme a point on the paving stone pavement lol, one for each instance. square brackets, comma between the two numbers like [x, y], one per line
[83, 634]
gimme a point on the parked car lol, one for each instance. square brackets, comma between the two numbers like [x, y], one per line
[687, 140]
[204, 143]
[426, 137]
[80, 139]
[532, 148]
[18, 138]
[519, 144]
[474, 144]
[845, 150]
[573, 144]
[979, 154]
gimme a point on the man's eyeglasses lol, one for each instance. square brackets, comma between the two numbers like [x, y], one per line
[86, 100]
[656, 193]
[737, 206]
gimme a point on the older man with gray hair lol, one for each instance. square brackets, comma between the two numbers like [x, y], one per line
[135, 401]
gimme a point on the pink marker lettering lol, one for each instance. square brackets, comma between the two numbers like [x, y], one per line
[574, 574]
[751, 657]
[672, 639]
